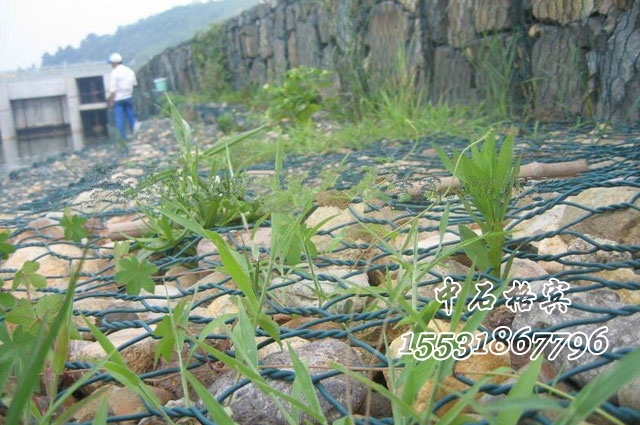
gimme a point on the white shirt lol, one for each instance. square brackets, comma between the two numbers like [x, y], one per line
[122, 82]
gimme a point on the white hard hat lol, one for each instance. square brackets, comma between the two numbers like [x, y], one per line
[115, 58]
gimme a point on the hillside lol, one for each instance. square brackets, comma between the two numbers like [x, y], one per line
[140, 41]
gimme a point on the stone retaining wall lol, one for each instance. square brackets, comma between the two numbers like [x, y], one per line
[569, 57]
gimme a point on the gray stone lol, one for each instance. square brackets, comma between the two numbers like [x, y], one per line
[251, 406]
[279, 59]
[492, 15]
[326, 25]
[306, 293]
[560, 72]
[410, 5]
[562, 11]
[622, 332]
[453, 75]
[279, 25]
[460, 31]
[307, 45]
[258, 73]
[265, 39]
[621, 225]
[620, 73]
[435, 18]
[292, 50]
[250, 41]
[387, 39]
[589, 253]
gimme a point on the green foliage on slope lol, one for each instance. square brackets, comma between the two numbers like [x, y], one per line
[139, 42]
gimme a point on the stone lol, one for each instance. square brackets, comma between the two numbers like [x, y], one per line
[410, 5]
[629, 395]
[559, 69]
[476, 364]
[181, 275]
[120, 402]
[621, 225]
[544, 222]
[258, 72]
[621, 333]
[273, 347]
[460, 31]
[222, 305]
[387, 37]
[251, 406]
[525, 269]
[562, 11]
[334, 218]
[250, 41]
[307, 45]
[589, 253]
[162, 298]
[265, 39]
[138, 356]
[209, 253]
[619, 73]
[491, 15]
[435, 16]
[57, 261]
[299, 292]
[554, 245]
[301, 322]
[453, 76]
[40, 229]
[98, 200]
[326, 25]
[376, 406]
[256, 238]
[292, 50]
[616, 277]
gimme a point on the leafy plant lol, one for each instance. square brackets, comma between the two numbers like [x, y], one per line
[198, 188]
[5, 247]
[28, 276]
[488, 177]
[74, 226]
[136, 275]
[298, 97]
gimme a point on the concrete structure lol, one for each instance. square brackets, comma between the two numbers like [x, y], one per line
[53, 101]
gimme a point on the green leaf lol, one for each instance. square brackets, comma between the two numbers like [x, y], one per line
[232, 261]
[74, 226]
[244, 338]
[5, 248]
[23, 314]
[35, 362]
[303, 384]
[7, 301]
[101, 414]
[120, 249]
[476, 249]
[600, 389]
[136, 275]
[28, 276]
[168, 332]
[523, 388]
[213, 406]
[269, 326]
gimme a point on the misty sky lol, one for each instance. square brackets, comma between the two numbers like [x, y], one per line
[29, 28]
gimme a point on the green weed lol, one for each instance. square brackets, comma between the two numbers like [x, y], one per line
[488, 177]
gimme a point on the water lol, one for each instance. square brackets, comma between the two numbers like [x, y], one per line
[24, 152]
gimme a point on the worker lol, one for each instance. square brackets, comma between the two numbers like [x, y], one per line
[122, 82]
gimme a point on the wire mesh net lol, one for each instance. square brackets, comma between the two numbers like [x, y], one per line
[588, 263]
